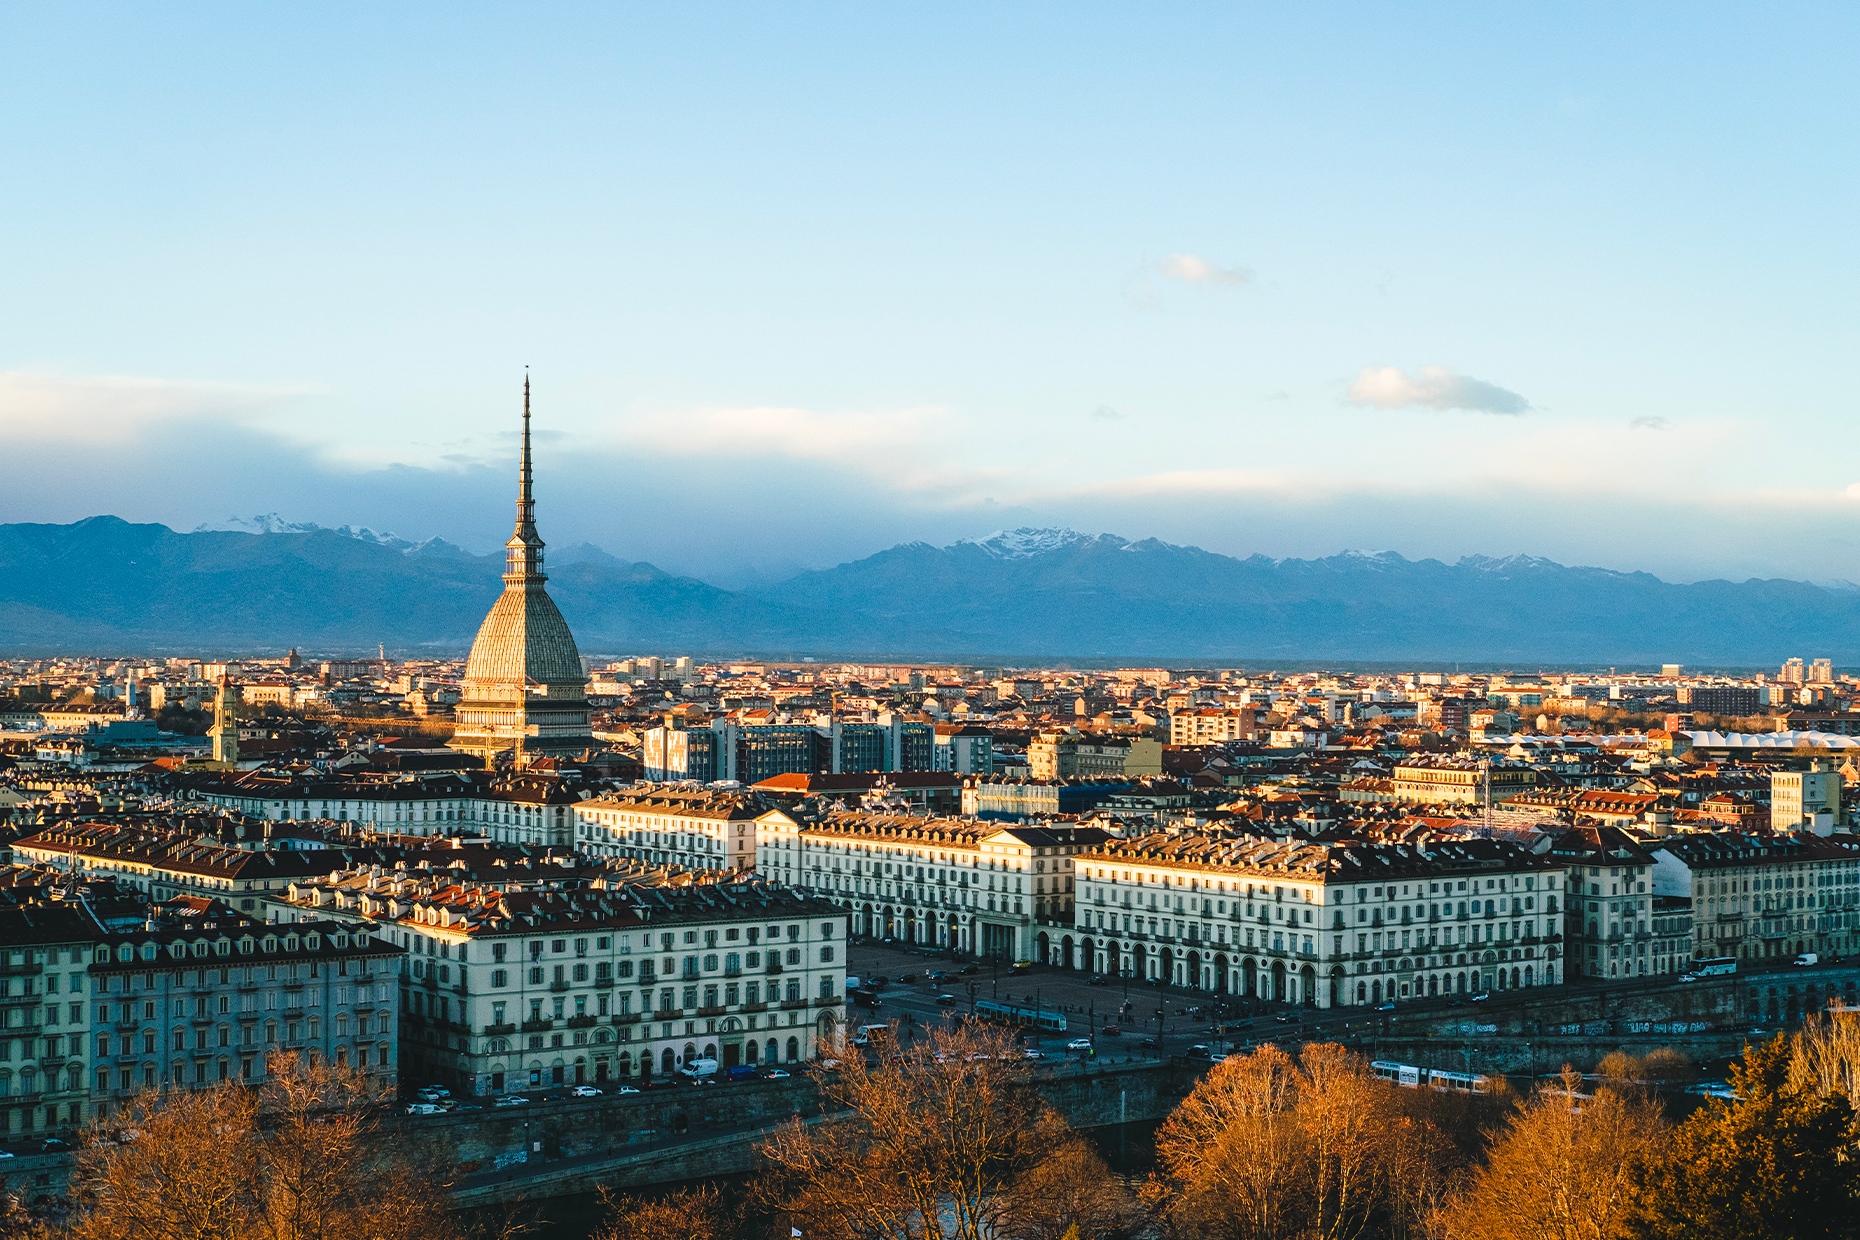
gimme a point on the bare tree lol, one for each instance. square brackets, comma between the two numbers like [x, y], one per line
[1070, 1193]
[688, 1214]
[926, 1144]
[299, 1158]
[1231, 1153]
[1563, 1169]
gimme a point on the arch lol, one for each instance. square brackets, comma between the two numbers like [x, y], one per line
[1066, 958]
[773, 1052]
[1249, 973]
[1042, 948]
[1193, 970]
[794, 1049]
[1167, 972]
[1278, 981]
[1220, 973]
[668, 1062]
[749, 1051]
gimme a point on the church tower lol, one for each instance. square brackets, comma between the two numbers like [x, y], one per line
[524, 688]
[226, 723]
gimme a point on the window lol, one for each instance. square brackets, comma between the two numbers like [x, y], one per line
[826, 957]
[499, 977]
[536, 977]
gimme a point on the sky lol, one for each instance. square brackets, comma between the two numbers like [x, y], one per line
[796, 283]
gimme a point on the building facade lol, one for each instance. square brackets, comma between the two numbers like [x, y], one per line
[697, 829]
[1327, 925]
[1763, 897]
[950, 883]
[637, 975]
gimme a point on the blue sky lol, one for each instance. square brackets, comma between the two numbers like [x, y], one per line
[799, 282]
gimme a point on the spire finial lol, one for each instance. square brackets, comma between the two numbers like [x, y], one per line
[526, 499]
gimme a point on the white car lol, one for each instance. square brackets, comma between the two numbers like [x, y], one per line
[776, 1074]
[628, 1089]
[511, 1100]
[586, 1091]
[1079, 1044]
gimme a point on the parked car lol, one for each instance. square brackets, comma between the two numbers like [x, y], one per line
[421, 1108]
[586, 1091]
[741, 1072]
[1380, 1007]
[511, 1100]
[776, 1074]
[626, 1089]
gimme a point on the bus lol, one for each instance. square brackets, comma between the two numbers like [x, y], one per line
[1409, 1076]
[1019, 1015]
[1717, 966]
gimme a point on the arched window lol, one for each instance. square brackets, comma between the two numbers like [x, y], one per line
[794, 1049]
[669, 1064]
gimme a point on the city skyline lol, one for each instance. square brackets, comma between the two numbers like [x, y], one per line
[1531, 286]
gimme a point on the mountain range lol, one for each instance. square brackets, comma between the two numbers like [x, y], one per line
[104, 584]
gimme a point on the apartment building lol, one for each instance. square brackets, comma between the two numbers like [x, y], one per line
[952, 883]
[93, 1016]
[44, 1018]
[1762, 897]
[1454, 779]
[1212, 726]
[1316, 923]
[1805, 801]
[748, 753]
[525, 807]
[509, 987]
[698, 829]
[202, 994]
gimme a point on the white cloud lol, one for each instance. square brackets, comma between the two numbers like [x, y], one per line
[1649, 422]
[1193, 269]
[114, 408]
[1386, 387]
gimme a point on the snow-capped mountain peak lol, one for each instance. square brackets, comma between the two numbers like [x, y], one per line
[1026, 541]
[272, 523]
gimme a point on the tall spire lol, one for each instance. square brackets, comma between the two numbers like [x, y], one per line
[523, 554]
[526, 495]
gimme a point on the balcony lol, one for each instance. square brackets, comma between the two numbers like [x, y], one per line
[538, 1026]
[626, 1018]
[755, 1007]
[825, 1001]
[773, 969]
[711, 1010]
[497, 1031]
[788, 1005]
[732, 972]
[668, 1014]
[582, 1022]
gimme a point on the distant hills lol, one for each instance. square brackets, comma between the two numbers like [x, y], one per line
[103, 584]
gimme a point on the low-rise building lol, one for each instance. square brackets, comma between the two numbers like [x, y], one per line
[950, 883]
[510, 986]
[1763, 897]
[1318, 923]
[696, 829]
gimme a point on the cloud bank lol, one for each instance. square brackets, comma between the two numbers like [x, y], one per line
[1435, 387]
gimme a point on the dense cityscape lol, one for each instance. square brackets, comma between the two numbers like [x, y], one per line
[1146, 622]
[538, 883]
